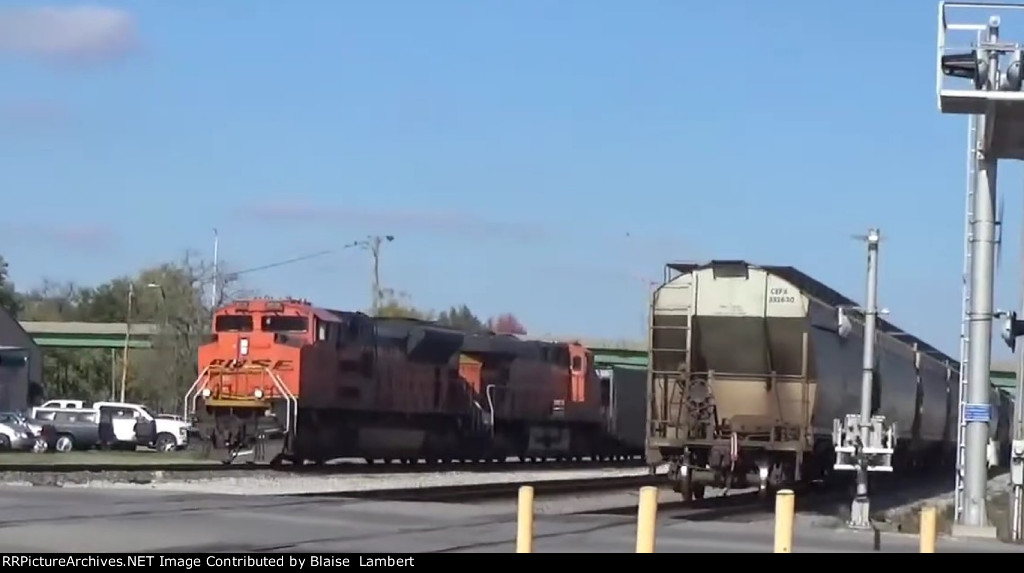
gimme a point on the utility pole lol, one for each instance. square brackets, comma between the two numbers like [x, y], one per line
[216, 271]
[127, 337]
[128, 330]
[373, 244]
[864, 441]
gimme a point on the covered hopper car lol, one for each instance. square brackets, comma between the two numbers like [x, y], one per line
[286, 380]
[750, 365]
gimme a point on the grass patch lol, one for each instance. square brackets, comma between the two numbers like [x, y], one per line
[100, 458]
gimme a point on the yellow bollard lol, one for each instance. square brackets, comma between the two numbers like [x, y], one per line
[784, 501]
[524, 532]
[646, 515]
[928, 529]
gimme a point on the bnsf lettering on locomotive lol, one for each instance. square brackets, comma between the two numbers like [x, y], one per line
[281, 365]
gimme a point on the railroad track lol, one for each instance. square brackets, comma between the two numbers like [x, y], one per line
[820, 498]
[496, 491]
[328, 469]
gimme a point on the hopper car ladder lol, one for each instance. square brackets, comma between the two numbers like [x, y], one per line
[673, 381]
[674, 392]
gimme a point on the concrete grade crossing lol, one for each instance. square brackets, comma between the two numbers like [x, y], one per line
[90, 520]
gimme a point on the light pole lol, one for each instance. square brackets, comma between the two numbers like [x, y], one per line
[860, 510]
[128, 331]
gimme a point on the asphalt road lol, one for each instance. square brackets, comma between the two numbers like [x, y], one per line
[38, 519]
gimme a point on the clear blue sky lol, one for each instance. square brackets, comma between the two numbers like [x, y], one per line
[531, 156]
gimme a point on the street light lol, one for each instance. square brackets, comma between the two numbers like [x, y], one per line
[128, 330]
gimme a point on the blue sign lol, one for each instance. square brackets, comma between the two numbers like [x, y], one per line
[977, 412]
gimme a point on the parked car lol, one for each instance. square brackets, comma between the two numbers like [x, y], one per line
[16, 435]
[122, 425]
[42, 432]
[71, 429]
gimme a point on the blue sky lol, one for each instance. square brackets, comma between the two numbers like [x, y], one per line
[530, 156]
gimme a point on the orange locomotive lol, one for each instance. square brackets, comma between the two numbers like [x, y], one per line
[322, 384]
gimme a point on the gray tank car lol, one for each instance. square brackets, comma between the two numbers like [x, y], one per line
[749, 366]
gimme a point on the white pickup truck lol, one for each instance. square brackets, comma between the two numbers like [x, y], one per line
[131, 425]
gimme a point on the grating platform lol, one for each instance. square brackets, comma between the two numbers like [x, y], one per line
[979, 73]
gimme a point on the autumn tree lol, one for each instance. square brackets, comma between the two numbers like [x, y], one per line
[506, 323]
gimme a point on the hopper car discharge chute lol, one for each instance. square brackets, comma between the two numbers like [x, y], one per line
[286, 381]
[751, 365]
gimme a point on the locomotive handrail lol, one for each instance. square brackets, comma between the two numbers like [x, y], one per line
[489, 394]
[191, 389]
[292, 402]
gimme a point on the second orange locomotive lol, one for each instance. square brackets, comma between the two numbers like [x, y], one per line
[288, 380]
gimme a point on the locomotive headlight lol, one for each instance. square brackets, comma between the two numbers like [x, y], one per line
[258, 393]
[206, 392]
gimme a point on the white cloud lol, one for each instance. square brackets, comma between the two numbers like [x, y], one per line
[86, 236]
[76, 34]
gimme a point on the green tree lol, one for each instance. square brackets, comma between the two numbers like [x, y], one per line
[170, 295]
[397, 305]
[9, 299]
[462, 318]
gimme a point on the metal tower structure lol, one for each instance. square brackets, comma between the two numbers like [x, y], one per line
[978, 74]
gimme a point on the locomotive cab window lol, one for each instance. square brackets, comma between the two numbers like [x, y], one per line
[577, 364]
[279, 323]
[233, 323]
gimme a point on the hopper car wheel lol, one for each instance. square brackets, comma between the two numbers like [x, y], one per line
[278, 461]
[692, 492]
